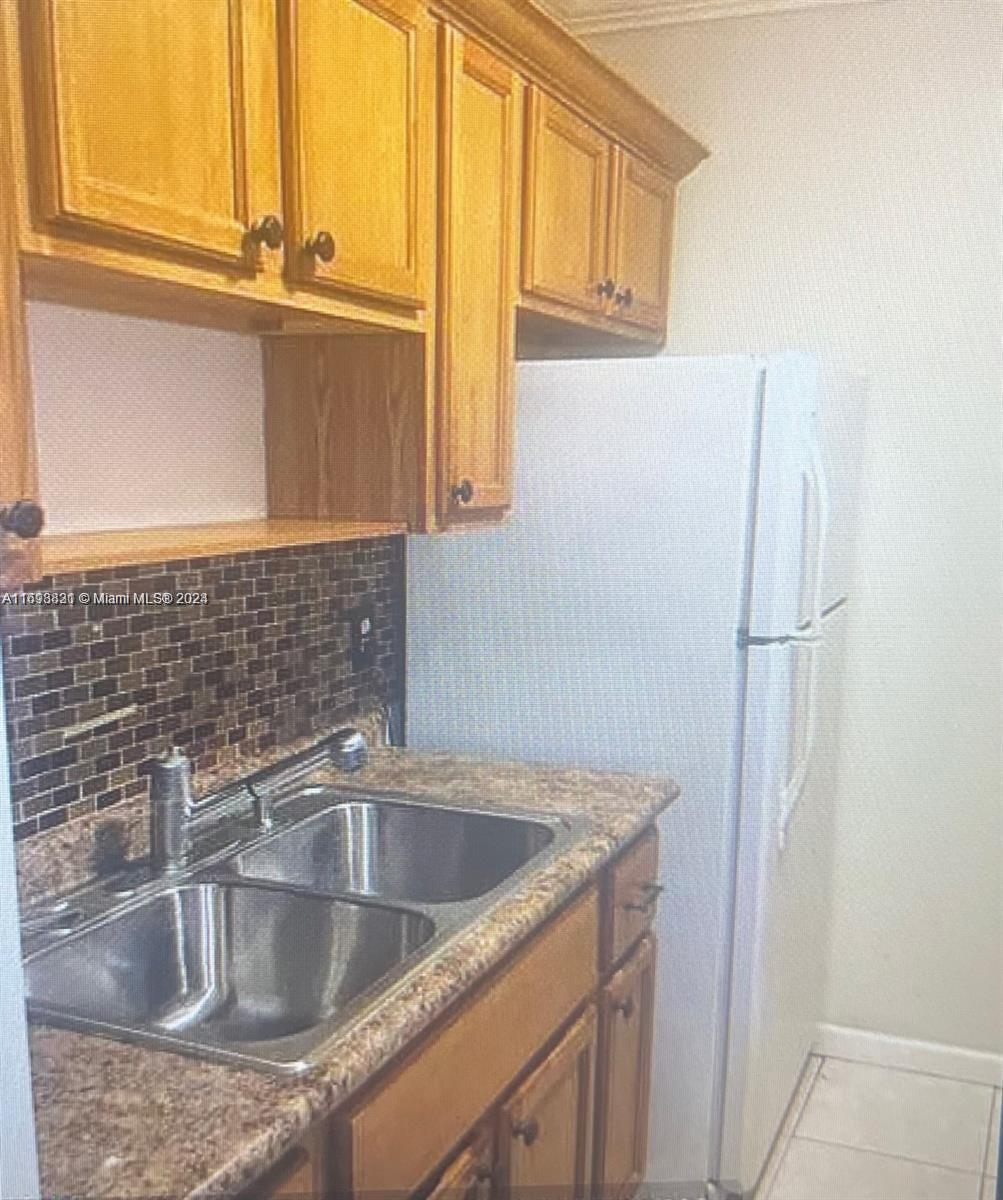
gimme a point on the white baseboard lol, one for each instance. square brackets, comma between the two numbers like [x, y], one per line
[932, 1058]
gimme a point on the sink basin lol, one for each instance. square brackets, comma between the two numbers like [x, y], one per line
[229, 967]
[397, 852]
[258, 955]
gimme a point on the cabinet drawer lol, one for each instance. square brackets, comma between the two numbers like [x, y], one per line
[394, 1139]
[630, 897]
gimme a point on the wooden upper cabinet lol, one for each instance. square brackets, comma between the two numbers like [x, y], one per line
[566, 197]
[20, 561]
[358, 79]
[545, 1131]
[480, 143]
[627, 1014]
[154, 121]
[640, 241]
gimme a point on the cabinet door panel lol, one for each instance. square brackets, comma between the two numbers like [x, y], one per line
[20, 560]
[627, 1013]
[641, 242]
[358, 82]
[430, 1102]
[479, 138]
[151, 121]
[545, 1133]
[565, 205]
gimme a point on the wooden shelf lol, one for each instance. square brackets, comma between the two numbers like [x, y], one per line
[63, 552]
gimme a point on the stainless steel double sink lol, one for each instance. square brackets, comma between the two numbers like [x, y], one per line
[263, 950]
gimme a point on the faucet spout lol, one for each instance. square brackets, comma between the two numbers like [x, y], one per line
[171, 803]
[264, 809]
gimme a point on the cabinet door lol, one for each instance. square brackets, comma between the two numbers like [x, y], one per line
[20, 560]
[358, 139]
[480, 146]
[470, 1174]
[545, 1132]
[627, 1012]
[156, 120]
[641, 226]
[566, 194]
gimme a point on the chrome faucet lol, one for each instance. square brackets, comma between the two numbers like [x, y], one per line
[264, 809]
[171, 805]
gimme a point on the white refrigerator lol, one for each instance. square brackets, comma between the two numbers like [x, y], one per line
[668, 595]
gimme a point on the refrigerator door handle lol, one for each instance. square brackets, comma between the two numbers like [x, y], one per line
[812, 635]
[820, 490]
[796, 637]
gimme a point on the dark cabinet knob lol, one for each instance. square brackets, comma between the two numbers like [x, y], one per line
[529, 1130]
[625, 1007]
[24, 518]
[606, 288]
[267, 232]
[624, 297]
[463, 492]
[479, 1187]
[321, 246]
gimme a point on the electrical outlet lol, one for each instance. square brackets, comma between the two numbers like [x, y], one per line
[362, 637]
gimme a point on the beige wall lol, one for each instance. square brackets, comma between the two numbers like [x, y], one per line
[852, 205]
[144, 423]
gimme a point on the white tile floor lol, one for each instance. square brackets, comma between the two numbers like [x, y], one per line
[862, 1132]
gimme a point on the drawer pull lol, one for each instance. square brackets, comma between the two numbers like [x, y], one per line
[463, 492]
[479, 1187]
[624, 1007]
[321, 246]
[529, 1130]
[267, 232]
[23, 518]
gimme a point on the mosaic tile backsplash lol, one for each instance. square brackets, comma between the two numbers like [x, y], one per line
[264, 660]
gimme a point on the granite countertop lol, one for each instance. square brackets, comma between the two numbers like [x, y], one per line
[119, 1120]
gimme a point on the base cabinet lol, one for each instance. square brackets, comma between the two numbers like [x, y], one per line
[536, 1088]
[627, 1012]
[545, 1129]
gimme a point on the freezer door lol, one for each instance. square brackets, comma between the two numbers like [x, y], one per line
[792, 504]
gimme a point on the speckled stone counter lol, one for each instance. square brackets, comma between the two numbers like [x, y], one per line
[116, 1120]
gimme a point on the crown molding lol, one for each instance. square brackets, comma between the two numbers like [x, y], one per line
[677, 12]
